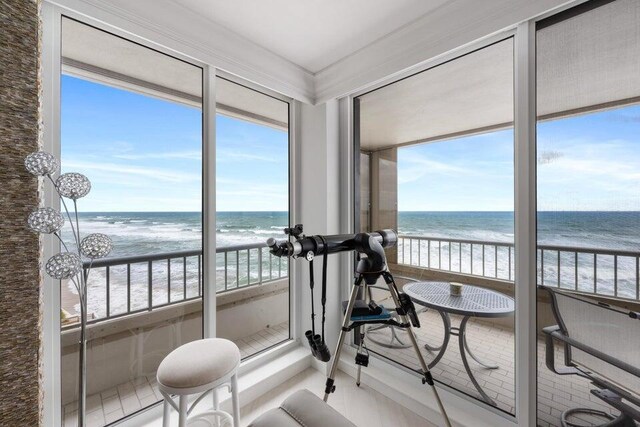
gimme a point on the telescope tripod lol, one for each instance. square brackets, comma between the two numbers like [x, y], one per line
[404, 323]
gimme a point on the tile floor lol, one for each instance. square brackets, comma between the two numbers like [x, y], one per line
[493, 343]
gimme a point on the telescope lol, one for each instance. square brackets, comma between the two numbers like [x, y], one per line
[370, 246]
[371, 266]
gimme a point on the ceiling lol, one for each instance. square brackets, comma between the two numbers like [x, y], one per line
[312, 34]
[587, 63]
[471, 92]
[130, 66]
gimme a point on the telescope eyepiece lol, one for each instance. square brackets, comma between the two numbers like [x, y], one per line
[279, 249]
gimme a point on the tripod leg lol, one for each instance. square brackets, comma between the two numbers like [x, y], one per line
[329, 388]
[367, 292]
[414, 342]
[359, 361]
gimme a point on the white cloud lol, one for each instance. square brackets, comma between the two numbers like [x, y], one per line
[136, 171]
[421, 166]
[230, 156]
[189, 155]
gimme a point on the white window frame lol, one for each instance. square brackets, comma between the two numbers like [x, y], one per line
[52, 15]
[451, 397]
[525, 350]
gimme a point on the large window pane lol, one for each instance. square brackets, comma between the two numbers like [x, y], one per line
[436, 163]
[132, 122]
[252, 203]
[588, 189]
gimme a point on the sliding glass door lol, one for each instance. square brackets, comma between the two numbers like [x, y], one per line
[435, 153]
[131, 121]
[252, 204]
[588, 201]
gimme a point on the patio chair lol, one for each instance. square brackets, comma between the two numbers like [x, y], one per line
[601, 343]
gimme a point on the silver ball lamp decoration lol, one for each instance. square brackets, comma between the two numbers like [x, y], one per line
[45, 220]
[96, 245]
[64, 265]
[41, 163]
[73, 185]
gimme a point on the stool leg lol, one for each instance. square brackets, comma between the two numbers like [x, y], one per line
[216, 406]
[166, 413]
[235, 401]
[183, 411]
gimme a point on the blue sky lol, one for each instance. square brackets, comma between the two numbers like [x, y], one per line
[588, 162]
[144, 154]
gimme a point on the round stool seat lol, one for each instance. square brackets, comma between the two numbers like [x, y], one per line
[198, 363]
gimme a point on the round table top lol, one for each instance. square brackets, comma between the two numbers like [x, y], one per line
[474, 301]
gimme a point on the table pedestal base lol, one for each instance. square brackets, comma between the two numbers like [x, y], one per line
[460, 332]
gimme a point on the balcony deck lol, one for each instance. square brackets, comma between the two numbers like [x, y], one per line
[495, 343]
[124, 399]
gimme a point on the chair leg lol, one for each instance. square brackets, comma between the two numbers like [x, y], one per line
[166, 413]
[235, 401]
[216, 406]
[182, 421]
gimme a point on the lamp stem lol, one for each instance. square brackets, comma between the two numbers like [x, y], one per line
[82, 374]
[82, 365]
[76, 236]
[61, 241]
[75, 208]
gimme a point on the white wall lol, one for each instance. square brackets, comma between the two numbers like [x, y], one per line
[169, 25]
[319, 201]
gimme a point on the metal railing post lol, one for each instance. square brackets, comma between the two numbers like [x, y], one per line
[575, 262]
[200, 275]
[615, 275]
[169, 281]
[260, 266]
[558, 269]
[542, 267]
[248, 267]
[226, 269]
[184, 277]
[237, 269]
[149, 285]
[595, 273]
[108, 290]
[410, 251]
[128, 287]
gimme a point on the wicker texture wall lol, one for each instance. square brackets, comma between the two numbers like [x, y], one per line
[19, 248]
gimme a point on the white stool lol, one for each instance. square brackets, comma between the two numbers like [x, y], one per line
[199, 367]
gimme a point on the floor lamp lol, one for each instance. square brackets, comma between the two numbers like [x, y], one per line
[68, 265]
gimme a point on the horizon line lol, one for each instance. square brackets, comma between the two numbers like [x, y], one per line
[403, 211]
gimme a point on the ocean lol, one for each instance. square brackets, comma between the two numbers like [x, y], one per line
[140, 233]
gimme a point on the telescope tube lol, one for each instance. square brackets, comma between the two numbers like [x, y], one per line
[334, 244]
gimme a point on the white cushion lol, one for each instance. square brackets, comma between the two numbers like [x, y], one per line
[198, 363]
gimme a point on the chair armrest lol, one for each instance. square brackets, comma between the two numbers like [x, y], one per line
[592, 351]
[552, 332]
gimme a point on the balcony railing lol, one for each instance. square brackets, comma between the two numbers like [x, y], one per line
[174, 277]
[607, 272]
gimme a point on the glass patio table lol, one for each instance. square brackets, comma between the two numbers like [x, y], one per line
[472, 302]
